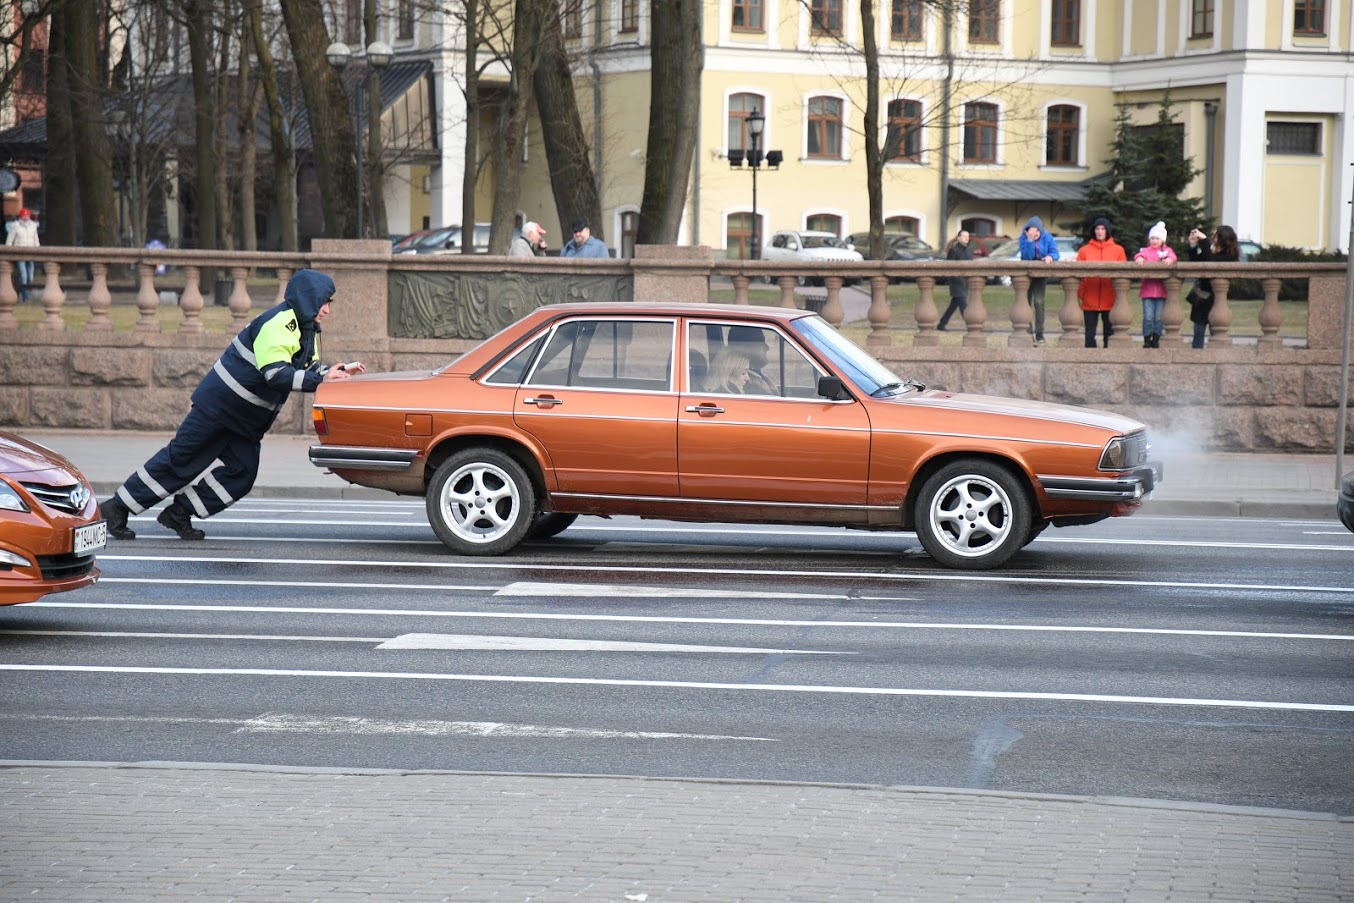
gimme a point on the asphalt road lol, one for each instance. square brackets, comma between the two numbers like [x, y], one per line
[1204, 660]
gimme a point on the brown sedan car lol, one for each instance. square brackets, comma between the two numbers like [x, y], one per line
[720, 414]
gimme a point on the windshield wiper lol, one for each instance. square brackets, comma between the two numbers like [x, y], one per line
[909, 383]
[885, 388]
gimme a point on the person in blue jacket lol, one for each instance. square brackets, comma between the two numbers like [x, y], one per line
[583, 244]
[233, 406]
[1036, 244]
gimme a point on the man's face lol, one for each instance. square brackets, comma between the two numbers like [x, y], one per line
[1032, 232]
[1101, 233]
[323, 312]
[581, 235]
[963, 238]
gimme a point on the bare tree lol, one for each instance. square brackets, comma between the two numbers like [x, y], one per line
[527, 24]
[674, 90]
[374, 163]
[470, 170]
[283, 137]
[566, 146]
[78, 26]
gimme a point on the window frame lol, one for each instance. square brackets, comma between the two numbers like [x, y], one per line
[822, 124]
[759, 103]
[984, 126]
[629, 16]
[404, 20]
[751, 10]
[1062, 132]
[1309, 10]
[984, 21]
[826, 18]
[1295, 127]
[907, 21]
[1065, 23]
[1201, 16]
[908, 130]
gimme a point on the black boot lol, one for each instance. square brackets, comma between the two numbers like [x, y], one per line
[116, 514]
[1156, 340]
[176, 517]
[1147, 341]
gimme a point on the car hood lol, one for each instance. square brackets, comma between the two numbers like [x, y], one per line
[1017, 407]
[24, 459]
[828, 254]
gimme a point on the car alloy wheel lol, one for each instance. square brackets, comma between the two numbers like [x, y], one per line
[973, 514]
[481, 502]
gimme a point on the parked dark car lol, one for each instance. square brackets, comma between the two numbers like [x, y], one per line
[1345, 506]
[903, 246]
[983, 244]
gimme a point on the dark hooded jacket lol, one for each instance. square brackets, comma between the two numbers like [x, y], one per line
[276, 354]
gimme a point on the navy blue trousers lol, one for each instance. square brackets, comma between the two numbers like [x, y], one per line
[213, 466]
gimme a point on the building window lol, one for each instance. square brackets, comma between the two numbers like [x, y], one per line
[572, 21]
[906, 224]
[1201, 19]
[404, 20]
[352, 23]
[980, 133]
[826, 16]
[825, 128]
[1066, 23]
[738, 237]
[1064, 130]
[33, 71]
[978, 225]
[629, 15]
[740, 105]
[747, 15]
[903, 141]
[984, 17]
[906, 22]
[824, 222]
[1309, 17]
[1293, 138]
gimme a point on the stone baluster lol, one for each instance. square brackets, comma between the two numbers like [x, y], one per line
[740, 288]
[1271, 317]
[100, 300]
[1121, 314]
[9, 298]
[832, 307]
[787, 290]
[283, 277]
[53, 297]
[879, 313]
[1022, 315]
[1069, 315]
[1173, 314]
[240, 302]
[1220, 317]
[191, 301]
[147, 300]
[927, 315]
[975, 315]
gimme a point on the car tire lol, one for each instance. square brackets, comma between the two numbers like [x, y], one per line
[550, 524]
[973, 514]
[1039, 526]
[481, 502]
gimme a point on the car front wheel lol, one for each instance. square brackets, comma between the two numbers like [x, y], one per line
[480, 502]
[973, 514]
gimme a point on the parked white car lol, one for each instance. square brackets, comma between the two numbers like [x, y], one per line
[808, 247]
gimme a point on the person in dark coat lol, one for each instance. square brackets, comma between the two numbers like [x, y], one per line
[213, 459]
[959, 250]
[1202, 249]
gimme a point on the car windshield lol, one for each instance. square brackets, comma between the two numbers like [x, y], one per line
[438, 238]
[1007, 249]
[823, 241]
[864, 371]
[909, 243]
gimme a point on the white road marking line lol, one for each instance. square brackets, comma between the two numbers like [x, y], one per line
[944, 577]
[298, 724]
[116, 634]
[1209, 544]
[691, 685]
[475, 642]
[299, 584]
[655, 619]
[610, 590]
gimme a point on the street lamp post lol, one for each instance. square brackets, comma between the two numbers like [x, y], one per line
[377, 58]
[753, 154]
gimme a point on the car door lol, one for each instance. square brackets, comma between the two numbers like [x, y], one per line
[600, 399]
[792, 449]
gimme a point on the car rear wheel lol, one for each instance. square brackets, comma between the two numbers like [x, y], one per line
[973, 514]
[550, 524]
[480, 502]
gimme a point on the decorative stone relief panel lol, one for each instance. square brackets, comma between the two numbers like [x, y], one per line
[473, 306]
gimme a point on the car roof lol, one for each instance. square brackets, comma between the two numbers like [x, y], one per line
[675, 309]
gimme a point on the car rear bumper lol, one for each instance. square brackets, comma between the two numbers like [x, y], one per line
[352, 457]
[1130, 487]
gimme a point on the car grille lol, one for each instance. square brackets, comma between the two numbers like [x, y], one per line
[65, 567]
[1136, 449]
[71, 499]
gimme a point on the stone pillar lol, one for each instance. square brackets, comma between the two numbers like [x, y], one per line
[1069, 315]
[9, 298]
[356, 328]
[1172, 315]
[927, 314]
[1271, 317]
[53, 298]
[1022, 314]
[656, 283]
[147, 300]
[832, 308]
[1220, 317]
[879, 313]
[191, 302]
[975, 315]
[99, 300]
[1121, 315]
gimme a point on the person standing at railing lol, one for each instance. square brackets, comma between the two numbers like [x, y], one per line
[1096, 294]
[531, 243]
[1036, 244]
[959, 250]
[1202, 249]
[1153, 291]
[23, 233]
[213, 459]
[584, 243]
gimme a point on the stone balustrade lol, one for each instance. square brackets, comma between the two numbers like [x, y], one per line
[1256, 391]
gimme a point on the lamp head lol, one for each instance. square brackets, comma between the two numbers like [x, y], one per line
[338, 55]
[756, 122]
[379, 54]
[774, 158]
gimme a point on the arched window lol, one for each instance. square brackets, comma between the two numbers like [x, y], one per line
[909, 224]
[1064, 130]
[979, 225]
[903, 141]
[825, 222]
[738, 237]
[740, 105]
[980, 133]
[825, 128]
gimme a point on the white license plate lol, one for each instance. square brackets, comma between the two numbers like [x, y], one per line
[91, 538]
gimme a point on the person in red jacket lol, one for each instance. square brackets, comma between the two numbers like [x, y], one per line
[1097, 294]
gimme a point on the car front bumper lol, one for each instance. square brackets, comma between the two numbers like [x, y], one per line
[1131, 486]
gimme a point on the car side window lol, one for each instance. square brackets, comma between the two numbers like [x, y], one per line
[778, 241]
[632, 355]
[774, 366]
[510, 372]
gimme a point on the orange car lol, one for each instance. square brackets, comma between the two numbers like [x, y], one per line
[720, 414]
[49, 523]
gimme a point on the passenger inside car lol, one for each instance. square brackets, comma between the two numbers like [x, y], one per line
[729, 373]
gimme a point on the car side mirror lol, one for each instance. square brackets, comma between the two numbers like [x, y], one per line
[831, 388]
[792, 245]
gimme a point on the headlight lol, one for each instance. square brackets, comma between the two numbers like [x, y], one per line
[1115, 456]
[10, 500]
[1126, 452]
[13, 559]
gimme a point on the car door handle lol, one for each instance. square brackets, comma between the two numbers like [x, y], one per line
[545, 400]
[704, 409]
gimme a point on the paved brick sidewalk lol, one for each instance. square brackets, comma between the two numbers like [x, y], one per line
[176, 833]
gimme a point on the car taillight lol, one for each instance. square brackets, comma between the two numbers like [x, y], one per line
[317, 418]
